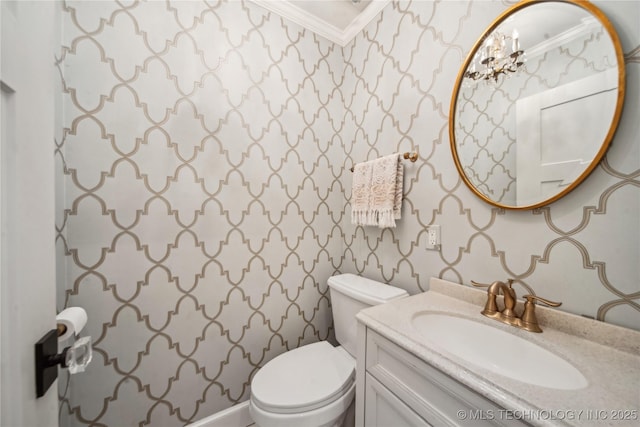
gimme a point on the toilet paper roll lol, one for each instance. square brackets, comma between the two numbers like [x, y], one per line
[73, 319]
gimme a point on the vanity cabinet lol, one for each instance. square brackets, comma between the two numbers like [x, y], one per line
[395, 388]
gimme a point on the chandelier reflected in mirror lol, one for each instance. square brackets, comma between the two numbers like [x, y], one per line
[494, 59]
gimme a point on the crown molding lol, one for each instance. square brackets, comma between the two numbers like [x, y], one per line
[587, 26]
[320, 26]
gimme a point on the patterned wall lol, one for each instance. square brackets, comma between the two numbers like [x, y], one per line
[197, 225]
[582, 250]
[204, 192]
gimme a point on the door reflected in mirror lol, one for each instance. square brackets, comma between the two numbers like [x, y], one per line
[536, 103]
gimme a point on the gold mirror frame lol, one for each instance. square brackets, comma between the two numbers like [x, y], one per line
[602, 19]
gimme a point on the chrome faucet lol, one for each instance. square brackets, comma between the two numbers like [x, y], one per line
[508, 315]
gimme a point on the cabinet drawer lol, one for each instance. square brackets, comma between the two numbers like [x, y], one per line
[432, 394]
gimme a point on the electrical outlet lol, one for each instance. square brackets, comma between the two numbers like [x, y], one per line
[434, 235]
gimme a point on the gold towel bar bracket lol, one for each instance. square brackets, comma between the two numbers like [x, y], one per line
[411, 156]
[408, 156]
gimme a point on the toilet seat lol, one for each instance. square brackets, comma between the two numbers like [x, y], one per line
[303, 379]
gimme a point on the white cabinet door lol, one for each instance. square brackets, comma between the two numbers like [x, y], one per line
[384, 409]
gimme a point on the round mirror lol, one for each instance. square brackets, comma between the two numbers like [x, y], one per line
[536, 102]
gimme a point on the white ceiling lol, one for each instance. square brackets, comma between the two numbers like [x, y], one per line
[336, 20]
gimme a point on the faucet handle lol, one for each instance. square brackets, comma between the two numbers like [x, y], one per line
[480, 285]
[484, 285]
[533, 298]
[529, 321]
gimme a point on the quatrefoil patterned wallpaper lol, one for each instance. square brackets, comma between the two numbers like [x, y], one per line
[203, 190]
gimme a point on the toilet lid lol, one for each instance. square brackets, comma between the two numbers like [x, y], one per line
[303, 379]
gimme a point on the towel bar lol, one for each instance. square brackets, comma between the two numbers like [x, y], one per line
[407, 156]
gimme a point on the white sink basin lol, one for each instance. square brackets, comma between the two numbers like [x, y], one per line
[497, 351]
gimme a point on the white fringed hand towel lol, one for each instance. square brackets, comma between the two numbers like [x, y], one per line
[377, 192]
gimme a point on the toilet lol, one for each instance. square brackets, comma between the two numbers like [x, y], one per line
[314, 385]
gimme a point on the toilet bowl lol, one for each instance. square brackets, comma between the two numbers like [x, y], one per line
[314, 385]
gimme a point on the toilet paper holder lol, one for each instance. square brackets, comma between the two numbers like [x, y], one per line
[75, 357]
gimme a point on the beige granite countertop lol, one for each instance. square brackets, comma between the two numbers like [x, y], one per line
[607, 355]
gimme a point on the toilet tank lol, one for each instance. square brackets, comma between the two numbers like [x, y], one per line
[350, 294]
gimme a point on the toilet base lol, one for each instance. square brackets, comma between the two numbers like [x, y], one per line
[350, 417]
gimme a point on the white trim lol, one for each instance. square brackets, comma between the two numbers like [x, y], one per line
[28, 283]
[236, 416]
[321, 27]
[362, 20]
[585, 27]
